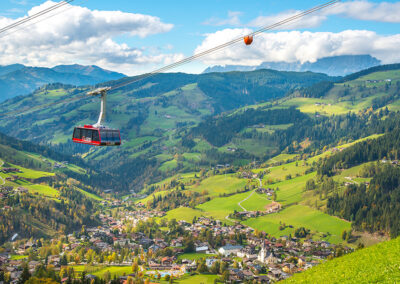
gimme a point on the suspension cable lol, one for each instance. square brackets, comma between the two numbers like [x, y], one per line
[180, 62]
[34, 16]
[224, 45]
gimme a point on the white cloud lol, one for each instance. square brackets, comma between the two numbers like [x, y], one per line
[232, 20]
[360, 10]
[309, 21]
[369, 11]
[80, 35]
[299, 46]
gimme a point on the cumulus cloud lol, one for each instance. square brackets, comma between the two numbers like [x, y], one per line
[309, 21]
[81, 35]
[299, 46]
[232, 20]
[360, 10]
[369, 11]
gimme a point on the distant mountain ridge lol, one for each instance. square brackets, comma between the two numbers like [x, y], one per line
[334, 66]
[18, 79]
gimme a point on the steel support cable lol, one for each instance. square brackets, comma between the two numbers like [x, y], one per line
[34, 16]
[191, 58]
[33, 23]
[224, 45]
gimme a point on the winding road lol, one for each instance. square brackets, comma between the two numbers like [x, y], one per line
[240, 202]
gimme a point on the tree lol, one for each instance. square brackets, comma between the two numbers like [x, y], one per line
[202, 267]
[107, 276]
[135, 267]
[344, 235]
[25, 274]
[225, 276]
[188, 245]
[215, 267]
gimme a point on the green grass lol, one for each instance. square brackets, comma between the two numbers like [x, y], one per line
[253, 146]
[195, 256]
[256, 202]
[301, 216]
[279, 173]
[100, 270]
[169, 165]
[290, 191]
[31, 174]
[18, 257]
[320, 105]
[183, 213]
[134, 142]
[194, 157]
[281, 158]
[221, 207]
[220, 184]
[203, 278]
[376, 264]
[90, 195]
[202, 145]
[150, 197]
[164, 157]
[42, 190]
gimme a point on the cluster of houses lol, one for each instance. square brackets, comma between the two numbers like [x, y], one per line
[275, 259]
[10, 170]
[379, 81]
[267, 191]
[6, 190]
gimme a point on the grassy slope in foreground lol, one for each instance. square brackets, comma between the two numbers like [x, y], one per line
[376, 264]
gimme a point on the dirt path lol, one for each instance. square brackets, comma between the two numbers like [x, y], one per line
[240, 202]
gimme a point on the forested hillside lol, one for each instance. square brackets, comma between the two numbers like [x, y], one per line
[169, 122]
[153, 116]
[43, 193]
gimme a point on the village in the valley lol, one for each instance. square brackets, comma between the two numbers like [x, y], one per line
[235, 252]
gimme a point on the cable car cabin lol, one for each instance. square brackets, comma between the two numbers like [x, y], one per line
[96, 136]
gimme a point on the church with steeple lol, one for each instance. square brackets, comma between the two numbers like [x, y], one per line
[266, 256]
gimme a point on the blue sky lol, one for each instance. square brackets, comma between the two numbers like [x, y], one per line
[183, 27]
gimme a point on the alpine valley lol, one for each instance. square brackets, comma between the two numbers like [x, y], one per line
[242, 176]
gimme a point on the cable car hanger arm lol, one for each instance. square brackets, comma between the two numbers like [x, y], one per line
[103, 95]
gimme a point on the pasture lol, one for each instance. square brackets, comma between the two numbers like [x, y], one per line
[301, 216]
[219, 184]
[202, 278]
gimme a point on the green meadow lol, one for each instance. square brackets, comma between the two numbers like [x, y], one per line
[202, 278]
[220, 184]
[101, 270]
[183, 213]
[301, 216]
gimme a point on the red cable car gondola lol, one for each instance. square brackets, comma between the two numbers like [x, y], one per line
[97, 134]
